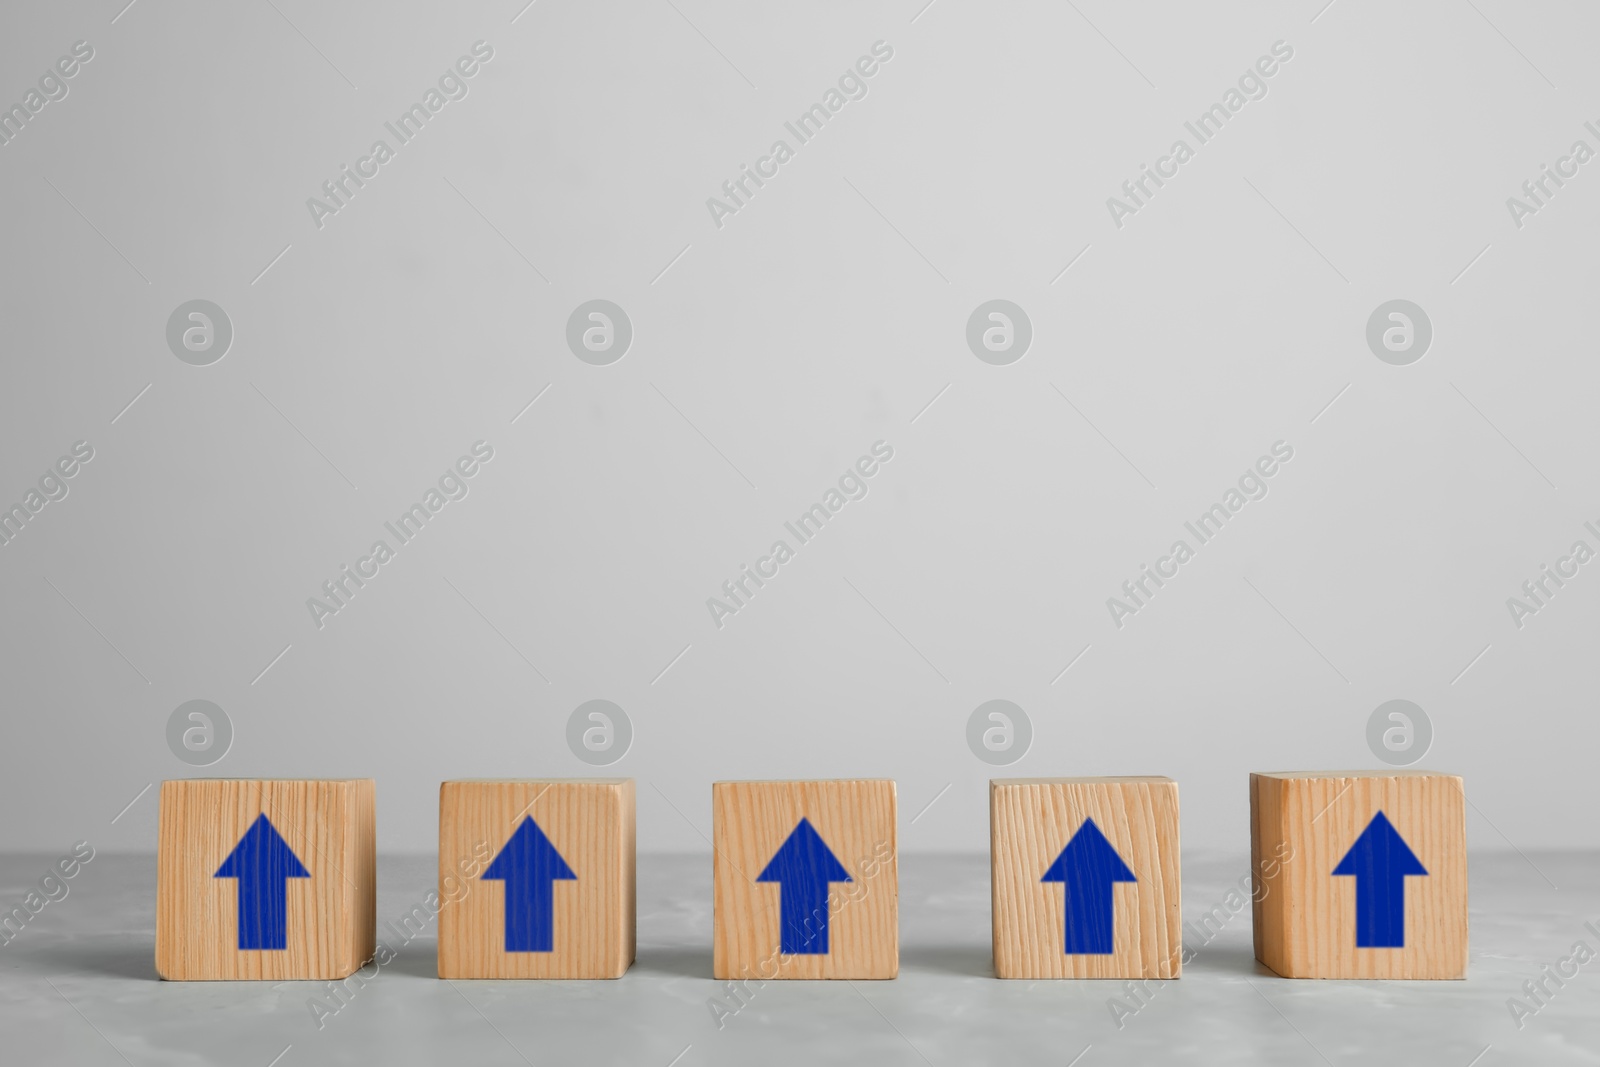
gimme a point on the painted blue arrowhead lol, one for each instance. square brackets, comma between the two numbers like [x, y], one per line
[1380, 861]
[263, 863]
[530, 866]
[803, 866]
[1087, 869]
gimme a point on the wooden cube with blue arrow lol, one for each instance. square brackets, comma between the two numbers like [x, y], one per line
[272, 880]
[536, 878]
[805, 879]
[1360, 874]
[1085, 877]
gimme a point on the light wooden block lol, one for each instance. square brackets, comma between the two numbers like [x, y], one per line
[1311, 922]
[536, 878]
[228, 884]
[840, 919]
[1093, 918]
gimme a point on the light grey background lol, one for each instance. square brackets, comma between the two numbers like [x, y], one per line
[767, 355]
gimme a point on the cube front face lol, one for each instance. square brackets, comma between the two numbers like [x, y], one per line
[805, 879]
[1338, 860]
[1085, 878]
[267, 880]
[536, 878]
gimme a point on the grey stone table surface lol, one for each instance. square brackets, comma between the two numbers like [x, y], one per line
[78, 987]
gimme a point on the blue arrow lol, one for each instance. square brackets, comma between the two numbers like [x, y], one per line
[1379, 861]
[1087, 869]
[803, 866]
[530, 866]
[263, 863]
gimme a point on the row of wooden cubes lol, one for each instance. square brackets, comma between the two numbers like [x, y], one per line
[1353, 875]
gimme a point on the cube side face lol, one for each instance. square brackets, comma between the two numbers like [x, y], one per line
[627, 860]
[1255, 866]
[1270, 848]
[361, 859]
[1316, 931]
[555, 927]
[305, 915]
[1031, 822]
[855, 819]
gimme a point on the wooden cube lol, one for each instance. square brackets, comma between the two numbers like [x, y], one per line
[1360, 874]
[272, 880]
[536, 878]
[805, 881]
[1085, 877]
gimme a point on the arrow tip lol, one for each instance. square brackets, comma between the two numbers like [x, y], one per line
[804, 857]
[1380, 848]
[528, 854]
[262, 852]
[1089, 854]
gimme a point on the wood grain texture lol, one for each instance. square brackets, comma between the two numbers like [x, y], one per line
[1030, 822]
[590, 821]
[1306, 917]
[856, 819]
[330, 825]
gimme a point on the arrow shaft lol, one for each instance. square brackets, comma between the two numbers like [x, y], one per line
[1090, 917]
[263, 914]
[803, 912]
[1381, 910]
[530, 916]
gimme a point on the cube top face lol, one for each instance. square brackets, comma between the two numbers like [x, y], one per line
[1360, 874]
[1344, 776]
[805, 879]
[1086, 877]
[536, 878]
[1115, 779]
[265, 879]
[538, 782]
[804, 781]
